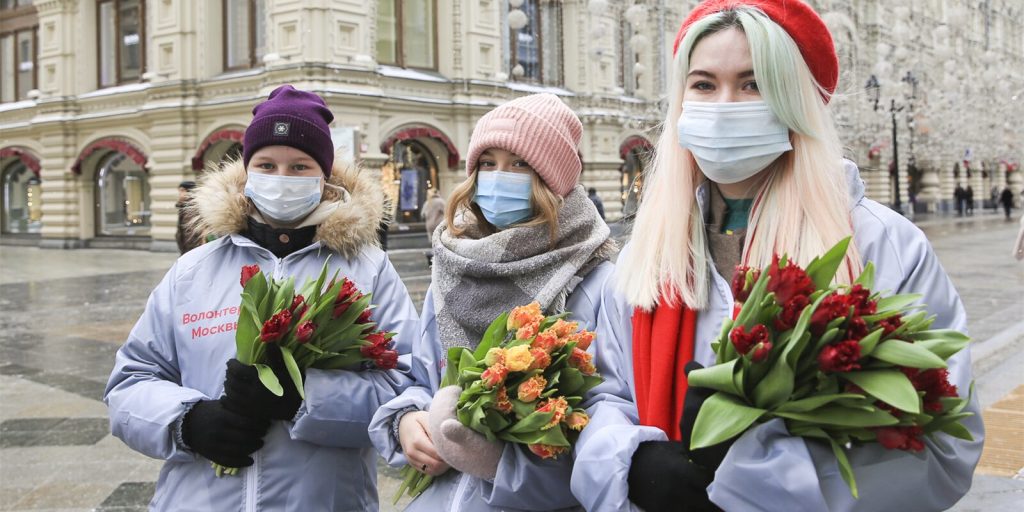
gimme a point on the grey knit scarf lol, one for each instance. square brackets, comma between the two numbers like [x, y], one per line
[476, 277]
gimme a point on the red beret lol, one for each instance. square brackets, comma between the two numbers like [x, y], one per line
[798, 20]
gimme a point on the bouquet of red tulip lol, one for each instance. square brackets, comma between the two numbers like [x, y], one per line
[838, 363]
[521, 385]
[326, 327]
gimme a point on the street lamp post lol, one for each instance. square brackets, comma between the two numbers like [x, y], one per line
[874, 90]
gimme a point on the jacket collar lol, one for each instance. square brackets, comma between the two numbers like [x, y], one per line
[853, 181]
[352, 207]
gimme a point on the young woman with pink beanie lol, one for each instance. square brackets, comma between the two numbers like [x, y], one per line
[519, 229]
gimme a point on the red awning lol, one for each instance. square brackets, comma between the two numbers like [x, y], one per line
[26, 158]
[632, 143]
[121, 146]
[215, 137]
[419, 132]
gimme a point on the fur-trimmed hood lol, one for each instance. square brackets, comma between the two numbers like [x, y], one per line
[221, 208]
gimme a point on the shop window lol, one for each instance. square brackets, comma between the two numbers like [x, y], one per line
[536, 48]
[416, 172]
[22, 200]
[407, 33]
[121, 41]
[123, 191]
[18, 62]
[632, 180]
[244, 32]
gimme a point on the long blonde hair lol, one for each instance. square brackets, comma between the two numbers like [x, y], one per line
[802, 208]
[545, 207]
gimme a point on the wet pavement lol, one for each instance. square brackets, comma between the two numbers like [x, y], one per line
[63, 314]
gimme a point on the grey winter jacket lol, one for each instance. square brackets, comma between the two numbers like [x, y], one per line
[524, 481]
[766, 468]
[176, 354]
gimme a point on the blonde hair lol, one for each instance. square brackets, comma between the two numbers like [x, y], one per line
[801, 209]
[545, 207]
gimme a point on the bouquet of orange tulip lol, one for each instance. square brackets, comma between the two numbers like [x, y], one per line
[522, 384]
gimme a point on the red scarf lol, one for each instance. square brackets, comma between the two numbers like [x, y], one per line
[662, 345]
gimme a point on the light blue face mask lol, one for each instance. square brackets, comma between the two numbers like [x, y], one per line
[732, 141]
[283, 198]
[504, 197]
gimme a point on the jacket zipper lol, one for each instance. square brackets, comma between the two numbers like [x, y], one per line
[251, 480]
[459, 491]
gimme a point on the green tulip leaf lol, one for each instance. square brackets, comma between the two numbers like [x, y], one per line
[869, 342]
[898, 302]
[845, 470]
[911, 355]
[269, 380]
[722, 417]
[776, 387]
[493, 336]
[889, 386]
[814, 402]
[842, 416]
[718, 377]
[822, 270]
[941, 343]
[293, 371]
[867, 276]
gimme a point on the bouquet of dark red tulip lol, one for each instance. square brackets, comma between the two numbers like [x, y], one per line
[837, 363]
[522, 385]
[325, 327]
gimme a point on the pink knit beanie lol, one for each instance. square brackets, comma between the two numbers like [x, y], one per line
[539, 128]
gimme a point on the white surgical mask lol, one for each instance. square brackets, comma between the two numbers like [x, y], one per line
[283, 198]
[504, 197]
[732, 141]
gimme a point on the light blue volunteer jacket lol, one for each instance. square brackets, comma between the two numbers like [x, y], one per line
[176, 355]
[523, 481]
[766, 469]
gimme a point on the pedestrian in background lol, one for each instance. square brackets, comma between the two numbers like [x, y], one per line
[186, 235]
[519, 229]
[1006, 198]
[288, 207]
[959, 198]
[592, 194]
[749, 146]
[433, 215]
[1018, 249]
[969, 199]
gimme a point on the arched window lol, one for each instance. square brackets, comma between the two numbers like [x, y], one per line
[635, 154]
[123, 196]
[22, 199]
[416, 173]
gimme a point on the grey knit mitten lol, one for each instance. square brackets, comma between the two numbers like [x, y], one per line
[460, 446]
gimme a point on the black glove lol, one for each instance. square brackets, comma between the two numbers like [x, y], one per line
[245, 394]
[662, 478]
[222, 436]
[711, 456]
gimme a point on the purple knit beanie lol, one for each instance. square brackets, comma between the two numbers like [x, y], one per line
[542, 130]
[295, 118]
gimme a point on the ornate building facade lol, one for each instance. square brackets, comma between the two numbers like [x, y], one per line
[106, 105]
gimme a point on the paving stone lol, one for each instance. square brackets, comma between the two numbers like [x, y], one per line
[129, 496]
[52, 431]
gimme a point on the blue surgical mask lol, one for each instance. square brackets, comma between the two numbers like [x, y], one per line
[504, 197]
[732, 141]
[283, 198]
